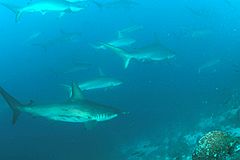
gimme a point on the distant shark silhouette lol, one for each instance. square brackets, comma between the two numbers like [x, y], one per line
[76, 110]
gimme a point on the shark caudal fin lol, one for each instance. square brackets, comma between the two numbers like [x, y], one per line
[121, 52]
[15, 9]
[13, 104]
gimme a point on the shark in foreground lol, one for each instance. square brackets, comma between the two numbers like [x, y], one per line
[76, 109]
[45, 6]
[155, 52]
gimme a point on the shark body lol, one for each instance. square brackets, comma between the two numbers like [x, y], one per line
[101, 82]
[76, 110]
[153, 52]
[45, 6]
[123, 39]
[120, 42]
[97, 83]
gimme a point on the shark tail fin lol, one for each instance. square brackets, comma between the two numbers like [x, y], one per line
[13, 104]
[121, 52]
[15, 9]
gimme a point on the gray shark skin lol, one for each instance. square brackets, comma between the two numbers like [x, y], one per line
[155, 52]
[45, 6]
[97, 83]
[123, 39]
[120, 42]
[101, 82]
[75, 110]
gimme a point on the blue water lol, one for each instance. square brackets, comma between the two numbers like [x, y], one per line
[161, 97]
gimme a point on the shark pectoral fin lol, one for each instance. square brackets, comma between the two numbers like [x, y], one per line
[13, 8]
[126, 60]
[18, 16]
[90, 124]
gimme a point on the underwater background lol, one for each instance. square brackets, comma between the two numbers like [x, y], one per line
[170, 102]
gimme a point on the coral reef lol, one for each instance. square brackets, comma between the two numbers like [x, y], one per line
[215, 145]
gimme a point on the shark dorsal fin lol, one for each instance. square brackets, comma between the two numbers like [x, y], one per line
[76, 93]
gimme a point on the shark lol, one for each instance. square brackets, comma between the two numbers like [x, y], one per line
[128, 30]
[100, 82]
[45, 6]
[154, 52]
[119, 42]
[77, 109]
[97, 83]
[122, 39]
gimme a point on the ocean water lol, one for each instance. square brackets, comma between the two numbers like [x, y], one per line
[171, 103]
